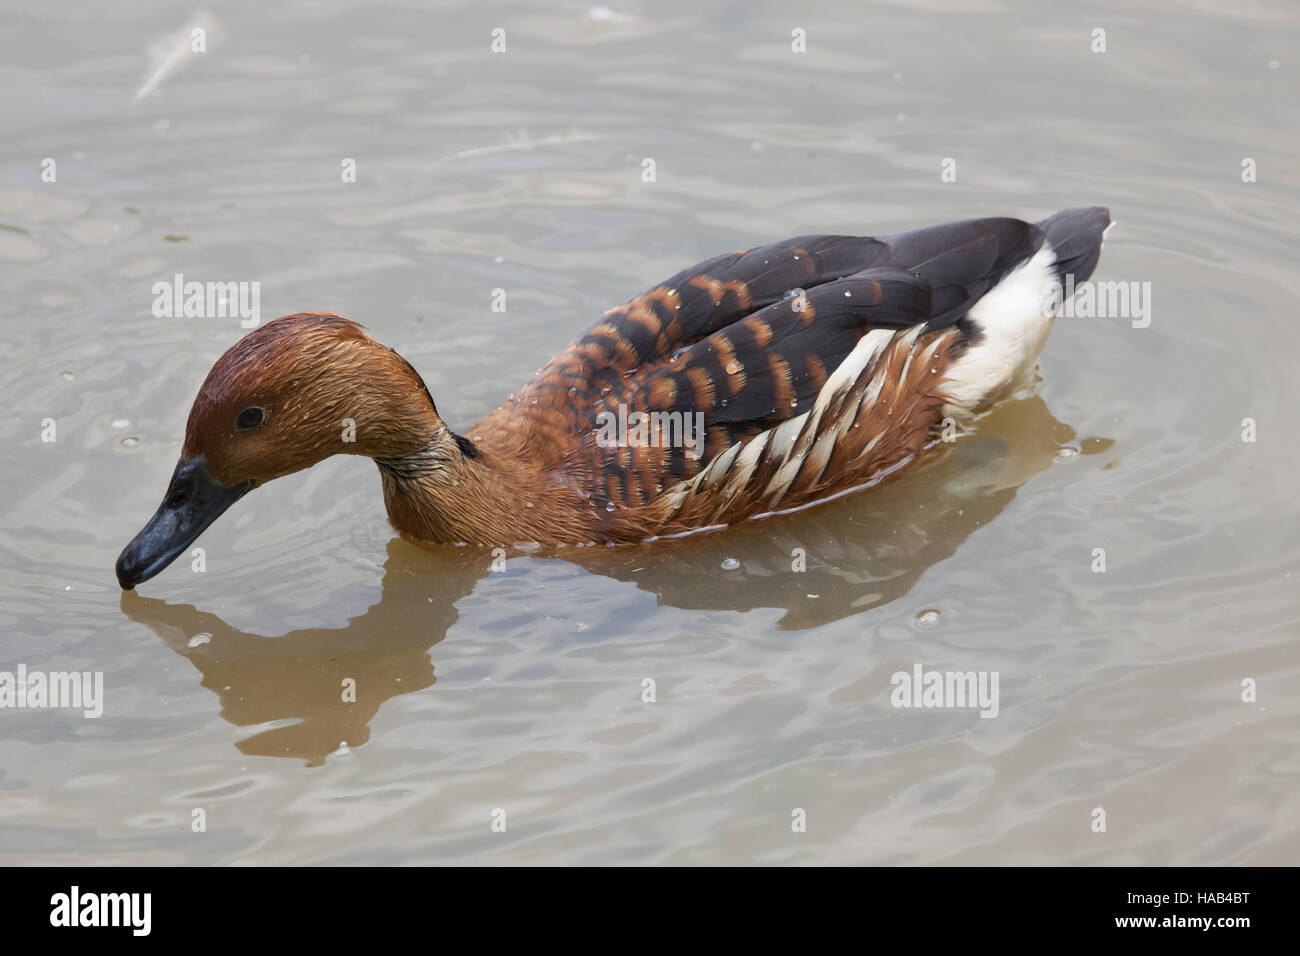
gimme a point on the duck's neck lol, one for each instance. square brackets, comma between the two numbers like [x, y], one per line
[453, 491]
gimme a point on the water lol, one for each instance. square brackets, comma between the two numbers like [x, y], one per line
[524, 689]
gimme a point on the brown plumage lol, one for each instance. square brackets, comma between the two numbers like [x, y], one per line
[758, 381]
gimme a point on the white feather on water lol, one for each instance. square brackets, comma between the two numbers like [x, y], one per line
[175, 51]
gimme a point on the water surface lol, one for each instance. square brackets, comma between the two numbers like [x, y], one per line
[522, 690]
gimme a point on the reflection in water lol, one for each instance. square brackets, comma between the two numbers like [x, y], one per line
[860, 552]
[299, 676]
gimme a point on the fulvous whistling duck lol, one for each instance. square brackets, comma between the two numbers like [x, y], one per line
[781, 376]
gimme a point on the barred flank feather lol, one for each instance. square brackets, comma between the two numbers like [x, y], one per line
[859, 429]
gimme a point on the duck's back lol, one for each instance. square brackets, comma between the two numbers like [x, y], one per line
[808, 366]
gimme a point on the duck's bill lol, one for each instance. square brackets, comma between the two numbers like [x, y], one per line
[193, 501]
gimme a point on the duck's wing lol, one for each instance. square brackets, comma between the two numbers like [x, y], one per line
[681, 311]
[753, 374]
[630, 342]
[772, 351]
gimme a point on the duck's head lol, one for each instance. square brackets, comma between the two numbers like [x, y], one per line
[284, 397]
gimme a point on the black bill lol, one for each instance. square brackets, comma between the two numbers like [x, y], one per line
[193, 501]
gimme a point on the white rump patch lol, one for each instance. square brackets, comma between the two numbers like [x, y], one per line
[1014, 321]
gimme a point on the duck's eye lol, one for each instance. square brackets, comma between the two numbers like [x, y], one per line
[250, 417]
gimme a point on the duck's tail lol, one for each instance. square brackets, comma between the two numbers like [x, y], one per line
[1007, 327]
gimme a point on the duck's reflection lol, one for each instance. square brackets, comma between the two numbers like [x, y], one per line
[298, 678]
[856, 554]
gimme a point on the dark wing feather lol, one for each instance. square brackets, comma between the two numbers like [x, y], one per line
[699, 301]
[747, 377]
[963, 260]
[725, 338]
[557, 405]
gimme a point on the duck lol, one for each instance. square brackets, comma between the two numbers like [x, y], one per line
[755, 383]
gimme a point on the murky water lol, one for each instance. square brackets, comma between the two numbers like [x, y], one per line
[522, 691]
